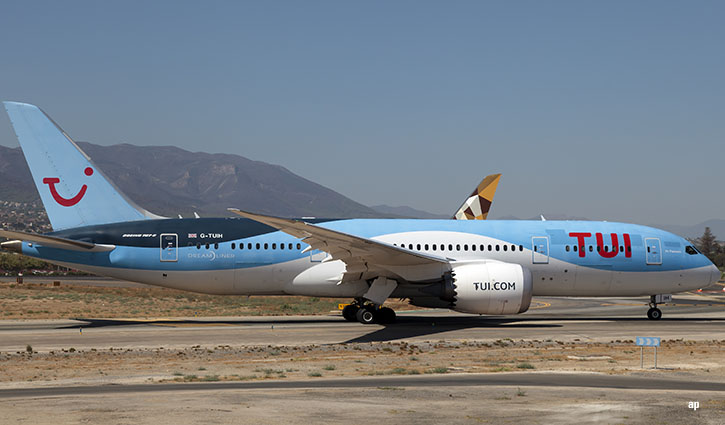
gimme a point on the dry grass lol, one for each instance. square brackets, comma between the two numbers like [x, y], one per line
[44, 301]
[241, 363]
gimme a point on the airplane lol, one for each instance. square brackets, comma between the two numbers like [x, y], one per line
[480, 267]
[477, 205]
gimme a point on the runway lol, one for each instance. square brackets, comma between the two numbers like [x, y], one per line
[692, 317]
[454, 380]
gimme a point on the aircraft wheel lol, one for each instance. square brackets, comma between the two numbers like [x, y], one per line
[654, 313]
[350, 312]
[386, 315]
[365, 316]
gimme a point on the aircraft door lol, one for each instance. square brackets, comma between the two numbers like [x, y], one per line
[540, 250]
[654, 252]
[169, 247]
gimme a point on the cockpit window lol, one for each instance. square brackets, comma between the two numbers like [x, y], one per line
[691, 250]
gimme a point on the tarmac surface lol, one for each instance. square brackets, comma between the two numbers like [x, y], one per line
[692, 317]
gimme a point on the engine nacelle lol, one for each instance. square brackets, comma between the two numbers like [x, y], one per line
[492, 288]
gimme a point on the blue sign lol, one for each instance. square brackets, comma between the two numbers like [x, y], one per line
[647, 341]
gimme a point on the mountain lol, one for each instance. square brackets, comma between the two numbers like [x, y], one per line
[16, 185]
[407, 212]
[167, 180]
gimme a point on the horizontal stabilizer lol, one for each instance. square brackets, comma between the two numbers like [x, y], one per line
[56, 242]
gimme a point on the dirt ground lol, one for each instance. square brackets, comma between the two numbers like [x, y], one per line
[385, 405]
[702, 360]
[47, 301]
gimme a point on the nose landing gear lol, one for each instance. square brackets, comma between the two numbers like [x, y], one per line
[655, 313]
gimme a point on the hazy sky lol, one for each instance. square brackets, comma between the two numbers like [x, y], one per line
[609, 110]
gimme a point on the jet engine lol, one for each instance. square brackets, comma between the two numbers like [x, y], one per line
[491, 288]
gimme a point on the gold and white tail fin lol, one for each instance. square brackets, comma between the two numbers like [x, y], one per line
[477, 205]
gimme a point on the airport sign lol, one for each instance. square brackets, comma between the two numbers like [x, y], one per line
[647, 341]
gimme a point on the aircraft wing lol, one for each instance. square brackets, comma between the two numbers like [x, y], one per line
[55, 242]
[362, 256]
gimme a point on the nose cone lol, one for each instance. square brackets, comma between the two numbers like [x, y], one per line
[715, 275]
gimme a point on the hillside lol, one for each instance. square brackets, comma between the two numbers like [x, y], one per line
[169, 181]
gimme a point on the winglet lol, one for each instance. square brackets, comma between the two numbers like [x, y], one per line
[477, 205]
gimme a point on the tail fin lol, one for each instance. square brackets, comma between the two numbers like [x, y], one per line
[477, 205]
[73, 190]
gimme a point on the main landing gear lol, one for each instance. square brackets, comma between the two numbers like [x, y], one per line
[368, 313]
[655, 313]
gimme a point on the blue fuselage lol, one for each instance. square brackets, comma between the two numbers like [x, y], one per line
[565, 257]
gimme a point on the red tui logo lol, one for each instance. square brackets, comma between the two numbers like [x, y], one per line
[66, 202]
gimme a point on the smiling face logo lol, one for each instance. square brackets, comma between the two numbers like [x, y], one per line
[67, 202]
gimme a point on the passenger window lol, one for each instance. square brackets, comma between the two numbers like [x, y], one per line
[497, 248]
[606, 248]
[505, 247]
[567, 248]
[249, 245]
[473, 247]
[465, 247]
[216, 246]
[299, 246]
[234, 245]
[290, 247]
[450, 247]
[434, 247]
[591, 248]
[513, 247]
[266, 246]
[206, 246]
[458, 247]
[281, 246]
[490, 248]
[410, 246]
[599, 248]
[521, 248]
[629, 249]
[621, 249]
[575, 248]
[426, 247]
[258, 246]
[482, 247]
[274, 246]
[198, 246]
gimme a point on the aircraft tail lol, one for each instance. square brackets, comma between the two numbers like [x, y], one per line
[74, 191]
[477, 205]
